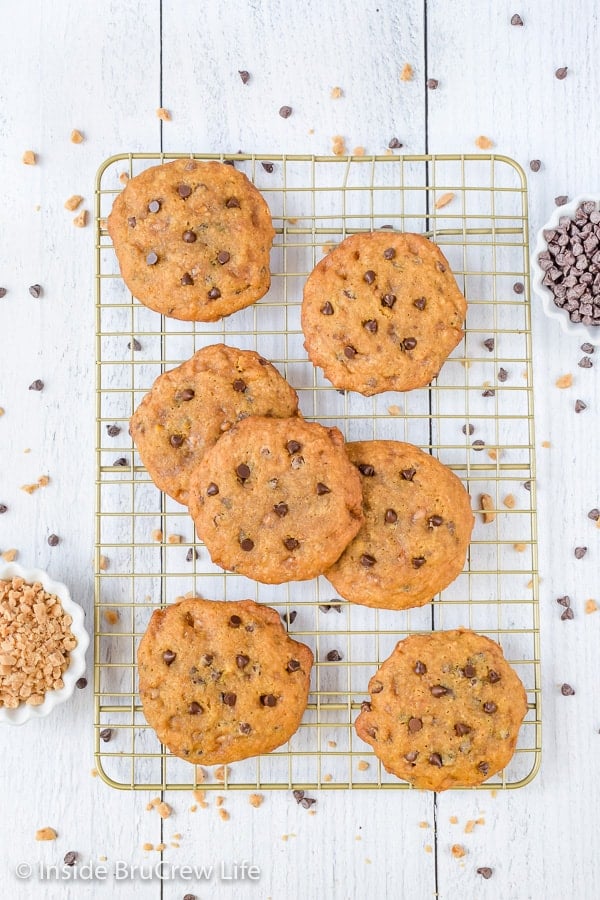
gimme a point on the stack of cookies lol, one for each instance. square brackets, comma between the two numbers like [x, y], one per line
[280, 499]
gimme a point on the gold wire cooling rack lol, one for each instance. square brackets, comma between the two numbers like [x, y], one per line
[477, 417]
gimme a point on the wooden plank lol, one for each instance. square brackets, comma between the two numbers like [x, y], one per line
[502, 79]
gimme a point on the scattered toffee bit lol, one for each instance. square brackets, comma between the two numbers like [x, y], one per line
[244, 75]
[268, 166]
[268, 700]
[53, 540]
[36, 291]
[334, 656]
[70, 858]
[516, 20]
[561, 73]
[567, 614]
[432, 84]
[469, 428]
[285, 112]
[580, 406]
[580, 552]
[134, 345]
[489, 343]
[37, 385]
[394, 144]
[247, 545]
[81, 683]
[290, 618]
[535, 165]
[585, 363]
[485, 872]
[566, 690]
[105, 735]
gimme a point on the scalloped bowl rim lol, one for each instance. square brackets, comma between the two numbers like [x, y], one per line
[76, 669]
[537, 274]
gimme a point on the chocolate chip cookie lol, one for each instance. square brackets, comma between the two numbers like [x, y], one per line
[445, 710]
[188, 409]
[221, 681]
[418, 524]
[193, 239]
[381, 312]
[276, 499]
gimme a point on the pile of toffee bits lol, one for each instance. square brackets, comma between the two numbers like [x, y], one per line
[571, 264]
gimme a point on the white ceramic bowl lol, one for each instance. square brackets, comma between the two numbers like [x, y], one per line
[579, 331]
[77, 656]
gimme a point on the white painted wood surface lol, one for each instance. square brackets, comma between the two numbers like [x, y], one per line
[98, 68]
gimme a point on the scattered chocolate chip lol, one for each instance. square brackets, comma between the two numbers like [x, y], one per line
[389, 253]
[2, 292]
[391, 516]
[493, 677]
[70, 858]
[561, 73]
[268, 167]
[223, 257]
[408, 474]
[191, 555]
[490, 344]
[535, 165]
[245, 76]
[409, 343]
[290, 618]
[580, 406]
[420, 303]
[243, 472]
[470, 428]
[489, 708]
[121, 462]
[334, 656]
[485, 872]
[176, 440]
[585, 363]
[369, 276]
[527, 485]
[184, 191]
[438, 690]
[587, 348]
[418, 561]
[298, 795]
[478, 445]
[488, 393]
[234, 621]
[371, 326]
[285, 112]
[561, 199]
[567, 614]
[53, 540]
[247, 545]
[502, 374]
[81, 683]
[414, 725]
[293, 665]
[432, 84]
[327, 309]
[232, 203]
[291, 543]
[518, 287]
[594, 514]
[516, 20]
[154, 206]
[322, 489]
[245, 728]
[268, 700]
[435, 760]
[460, 729]
[37, 385]
[195, 709]
[566, 690]
[229, 699]
[420, 668]
[580, 552]
[388, 300]
[152, 258]
[367, 560]
[134, 345]
[113, 430]
[214, 293]
[212, 490]
[169, 657]
[435, 521]
[3, 508]
[105, 735]
[307, 802]
[366, 469]
[394, 144]
[281, 509]
[36, 291]
[564, 601]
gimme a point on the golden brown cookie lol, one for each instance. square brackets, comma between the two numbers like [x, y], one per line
[445, 710]
[276, 499]
[188, 409]
[381, 312]
[418, 524]
[193, 239]
[221, 681]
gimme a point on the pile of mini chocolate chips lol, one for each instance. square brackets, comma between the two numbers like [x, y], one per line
[572, 264]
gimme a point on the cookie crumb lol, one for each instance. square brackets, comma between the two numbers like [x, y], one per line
[163, 114]
[423, 824]
[407, 72]
[394, 410]
[327, 778]
[363, 765]
[565, 381]
[224, 815]
[94, 773]
[487, 505]
[546, 444]
[103, 563]
[175, 844]
[111, 616]
[160, 847]
[358, 151]
[81, 220]
[480, 821]
[164, 810]
[509, 501]
[219, 801]
[193, 808]
[336, 93]
[221, 773]
[428, 848]
[256, 800]
[332, 744]
[470, 826]
[483, 142]
[493, 454]
[10, 555]
[73, 202]
[174, 539]
[200, 775]
[29, 158]
[444, 200]
[453, 820]
[46, 834]
[458, 851]
[43, 481]
[77, 137]
[338, 145]
[591, 606]
[157, 535]
[147, 846]
[520, 547]
[124, 177]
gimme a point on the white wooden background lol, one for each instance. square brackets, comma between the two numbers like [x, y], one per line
[104, 68]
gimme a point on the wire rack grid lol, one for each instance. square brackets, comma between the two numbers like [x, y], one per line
[476, 417]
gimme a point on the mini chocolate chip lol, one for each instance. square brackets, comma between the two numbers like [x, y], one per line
[489, 708]
[232, 203]
[293, 665]
[307, 802]
[435, 760]
[113, 430]
[53, 540]
[195, 709]
[291, 543]
[414, 725]
[134, 345]
[298, 795]
[105, 735]
[564, 601]
[285, 112]
[293, 447]
[516, 20]
[420, 303]
[234, 621]
[438, 690]
[489, 343]
[191, 555]
[154, 206]
[394, 144]
[245, 727]
[418, 561]
[350, 352]
[518, 287]
[485, 872]
[420, 668]
[535, 165]
[70, 858]
[268, 166]
[242, 661]
[484, 768]
[327, 309]
[189, 237]
[408, 474]
[567, 614]
[371, 326]
[432, 84]
[469, 428]
[478, 445]
[580, 406]
[37, 385]
[322, 489]
[502, 374]
[281, 509]
[587, 348]
[365, 706]
[369, 276]
[527, 485]
[36, 291]
[131, 221]
[580, 552]
[3, 508]
[212, 490]
[460, 729]
[268, 700]
[185, 395]
[207, 658]
[229, 699]
[176, 440]
[585, 363]
[334, 656]
[367, 560]
[594, 514]
[152, 258]
[561, 200]
[561, 73]
[411, 756]
[81, 683]
[214, 293]
[389, 253]
[184, 191]
[388, 300]
[239, 385]
[247, 545]
[223, 257]
[391, 516]
[566, 690]
[169, 657]
[409, 343]
[366, 469]
[243, 471]
[121, 462]
[290, 618]
[435, 521]
[493, 677]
